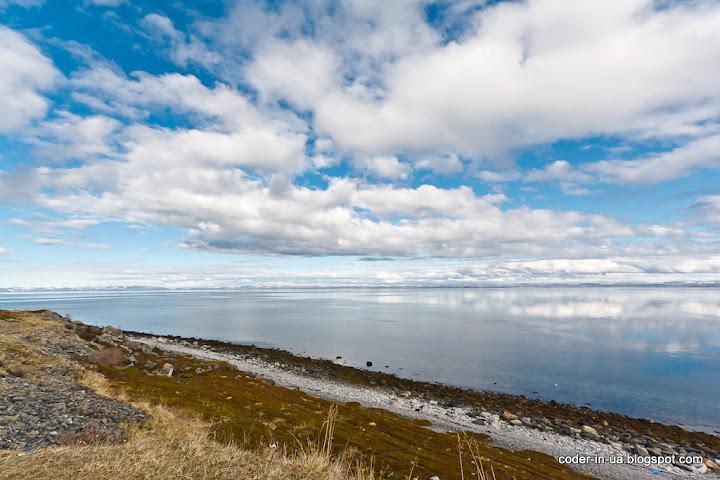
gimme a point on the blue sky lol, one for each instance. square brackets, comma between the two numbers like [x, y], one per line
[249, 143]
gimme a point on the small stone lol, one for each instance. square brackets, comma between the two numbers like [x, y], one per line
[509, 416]
[711, 465]
[268, 381]
[694, 468]
[655, 451]
[641, 451]
[147, 349]
[588, 429]
[166, 369]
[516, 422]
[150, 365]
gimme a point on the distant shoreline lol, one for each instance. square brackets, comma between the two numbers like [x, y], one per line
[145, 289]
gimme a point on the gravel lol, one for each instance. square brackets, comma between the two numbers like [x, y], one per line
[62, 412]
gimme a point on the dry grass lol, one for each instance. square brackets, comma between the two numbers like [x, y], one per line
[177, 446]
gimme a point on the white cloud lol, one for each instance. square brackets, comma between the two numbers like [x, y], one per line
[225, 210]
[72, 223]
[22, 3]
[387, 167]
[105, 3]
[75, 137]
[26, 72]
[699, 154]
[256, 148]
[182, 48]
[559, 170]
[442, 164]
[709, 205]
[52, 241]
[5, 251]
[537, 71]
[498, 177]
[299, 71]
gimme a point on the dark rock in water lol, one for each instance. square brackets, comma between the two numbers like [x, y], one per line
[369, 364]
[338, 358]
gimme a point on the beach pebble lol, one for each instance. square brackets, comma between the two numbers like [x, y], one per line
[696, 468]
[166, 369]
[509, 416]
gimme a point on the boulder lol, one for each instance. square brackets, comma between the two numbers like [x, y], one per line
[150, 365]
[166, 369]
[588, 429]
[112, 331]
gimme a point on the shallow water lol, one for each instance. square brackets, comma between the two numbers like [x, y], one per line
[648, 352]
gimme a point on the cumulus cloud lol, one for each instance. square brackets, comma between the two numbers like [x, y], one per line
[534, 72]
[5, 251]
[26, 72]
[224, 209]
[699, 154]
[388, 167]
[180, 47]
[301, 72]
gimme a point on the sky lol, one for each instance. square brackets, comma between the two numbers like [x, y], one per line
[248, 143]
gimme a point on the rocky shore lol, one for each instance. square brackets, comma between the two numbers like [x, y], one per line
[513, 422]
[43, 403]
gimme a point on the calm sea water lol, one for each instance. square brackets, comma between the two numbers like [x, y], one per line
[648, 352]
